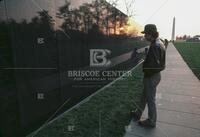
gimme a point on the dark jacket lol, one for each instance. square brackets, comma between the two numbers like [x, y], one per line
[155, 59]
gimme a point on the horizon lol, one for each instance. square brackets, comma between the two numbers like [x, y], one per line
[157, 12]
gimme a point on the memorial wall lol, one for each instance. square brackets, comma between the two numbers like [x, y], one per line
[42, 43]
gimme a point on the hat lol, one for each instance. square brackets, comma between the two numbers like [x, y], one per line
[150, 29]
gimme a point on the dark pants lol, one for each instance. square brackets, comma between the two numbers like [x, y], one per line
[149, 97]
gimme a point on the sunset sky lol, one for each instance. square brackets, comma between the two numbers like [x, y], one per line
[161, 13]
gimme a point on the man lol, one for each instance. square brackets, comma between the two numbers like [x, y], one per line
[153, 64]
[166, 43]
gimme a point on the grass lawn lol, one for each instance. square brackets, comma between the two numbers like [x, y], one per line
[106, 113]
[190, 51]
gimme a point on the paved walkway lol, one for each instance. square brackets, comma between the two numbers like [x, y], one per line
[178, 102]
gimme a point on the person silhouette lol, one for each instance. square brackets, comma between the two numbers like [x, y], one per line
[153, 64]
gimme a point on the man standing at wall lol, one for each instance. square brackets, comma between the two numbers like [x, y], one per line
[153, 64]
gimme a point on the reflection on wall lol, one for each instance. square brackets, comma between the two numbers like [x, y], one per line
[40, 41]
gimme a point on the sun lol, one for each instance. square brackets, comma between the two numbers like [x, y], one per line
[133, 28]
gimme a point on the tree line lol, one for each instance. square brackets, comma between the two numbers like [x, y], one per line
[98, 15]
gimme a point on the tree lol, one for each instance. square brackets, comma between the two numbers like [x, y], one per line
[66, 14]
[129, 7]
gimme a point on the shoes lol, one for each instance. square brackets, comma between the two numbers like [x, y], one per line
[146, 123]
[136, 116]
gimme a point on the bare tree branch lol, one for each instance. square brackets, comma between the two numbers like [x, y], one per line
[129, 7]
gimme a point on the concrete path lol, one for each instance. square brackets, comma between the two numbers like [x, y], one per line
[178, 102]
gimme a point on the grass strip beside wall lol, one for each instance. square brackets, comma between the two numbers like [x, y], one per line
[106, 114]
